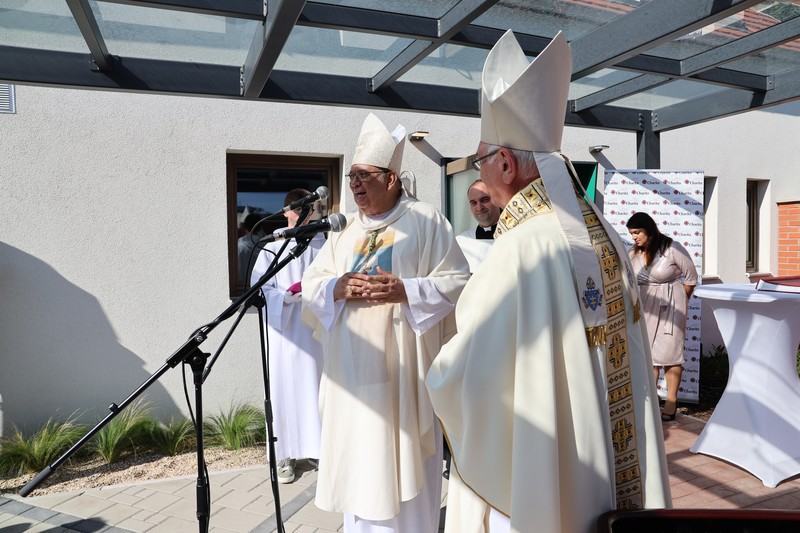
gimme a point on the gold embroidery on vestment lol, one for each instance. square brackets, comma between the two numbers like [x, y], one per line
[620, 388]
[612, 338]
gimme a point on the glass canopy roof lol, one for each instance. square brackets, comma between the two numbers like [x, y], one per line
[638, 65]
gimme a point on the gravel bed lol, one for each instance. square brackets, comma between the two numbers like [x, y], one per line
[77, 475]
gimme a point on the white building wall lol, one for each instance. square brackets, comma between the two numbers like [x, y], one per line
[114, 236]
[114, 243]
[759, 145]
[753, 146]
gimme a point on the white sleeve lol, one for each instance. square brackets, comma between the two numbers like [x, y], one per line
[324, 306]
[426, 306]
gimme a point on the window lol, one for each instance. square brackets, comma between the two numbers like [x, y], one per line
[752, 226]
[460, 175]
[257, 184]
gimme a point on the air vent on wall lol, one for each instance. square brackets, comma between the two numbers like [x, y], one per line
[7, 98]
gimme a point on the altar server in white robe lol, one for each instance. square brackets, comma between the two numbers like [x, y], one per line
[295, 357]
[380, 296]
[546, 393]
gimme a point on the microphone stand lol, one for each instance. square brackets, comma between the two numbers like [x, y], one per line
[259, 302]
[189, 353]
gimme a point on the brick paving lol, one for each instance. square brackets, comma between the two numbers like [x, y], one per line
[242, 500]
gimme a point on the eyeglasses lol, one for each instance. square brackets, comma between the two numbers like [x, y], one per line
[363, 175]
[476, 163]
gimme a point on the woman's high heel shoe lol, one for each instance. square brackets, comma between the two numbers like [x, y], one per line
[665, 417]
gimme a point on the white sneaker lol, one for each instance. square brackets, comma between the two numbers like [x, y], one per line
[286, 470]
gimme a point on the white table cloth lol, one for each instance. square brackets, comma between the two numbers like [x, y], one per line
[756, 424]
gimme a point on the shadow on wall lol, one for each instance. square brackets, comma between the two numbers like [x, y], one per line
[58, 351]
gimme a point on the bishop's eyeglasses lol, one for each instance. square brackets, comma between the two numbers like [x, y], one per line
[363, 175]
[476, 162]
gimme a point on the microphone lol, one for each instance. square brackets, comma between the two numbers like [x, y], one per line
[336, 222]
[320, 194]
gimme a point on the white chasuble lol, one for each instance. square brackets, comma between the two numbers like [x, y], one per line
[524, 398]
[378, 426]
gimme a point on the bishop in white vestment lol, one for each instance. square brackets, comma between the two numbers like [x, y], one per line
[380, 297]
[546, 393]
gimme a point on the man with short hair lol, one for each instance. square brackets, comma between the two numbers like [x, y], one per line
[475, 243]
[546, 392]
[380, 297]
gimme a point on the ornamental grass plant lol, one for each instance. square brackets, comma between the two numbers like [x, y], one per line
[127, 432]
[24, 455]
[243, 425]
[173, 438]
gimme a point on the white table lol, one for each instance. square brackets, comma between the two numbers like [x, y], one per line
[756, 424]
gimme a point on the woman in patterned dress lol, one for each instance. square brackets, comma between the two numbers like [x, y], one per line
[666, 277]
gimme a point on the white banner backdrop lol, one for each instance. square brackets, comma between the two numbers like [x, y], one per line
[675, 201]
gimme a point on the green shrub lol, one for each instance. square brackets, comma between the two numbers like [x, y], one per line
[241, 426]
[714, 366]
[173, 438]
[20, 455]
[127, 432]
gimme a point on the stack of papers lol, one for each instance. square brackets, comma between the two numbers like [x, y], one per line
[780, 284]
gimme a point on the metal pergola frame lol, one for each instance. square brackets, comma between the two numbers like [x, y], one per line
[621, 44]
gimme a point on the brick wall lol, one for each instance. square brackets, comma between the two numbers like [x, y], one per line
[788, 239]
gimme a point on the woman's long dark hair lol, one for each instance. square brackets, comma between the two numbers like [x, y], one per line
[657, 243]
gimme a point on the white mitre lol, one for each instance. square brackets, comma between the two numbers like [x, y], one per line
[523, 104]
[379, 148]
[522, 107]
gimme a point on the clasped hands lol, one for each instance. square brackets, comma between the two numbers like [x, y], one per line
[384, 287]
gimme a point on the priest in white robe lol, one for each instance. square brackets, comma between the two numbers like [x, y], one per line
[546, 393]
[380, 297]
[476, 242]
[295, 357]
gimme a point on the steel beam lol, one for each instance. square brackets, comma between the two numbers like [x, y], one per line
[618, 91]
[336, 17]
[68, 69]
[268, 43]
[748, 45]
[451, 23]
[647, 27]
[241, 9]
[87, 24]
[729, 102]
[648, 143]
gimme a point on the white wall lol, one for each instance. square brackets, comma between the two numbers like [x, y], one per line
[114, 242]
[758, 145]
[114, 236]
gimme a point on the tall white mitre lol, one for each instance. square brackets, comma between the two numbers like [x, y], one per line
[379, 148]
[522, 107]
[523, 104]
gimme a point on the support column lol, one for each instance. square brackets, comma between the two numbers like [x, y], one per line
[648, 142]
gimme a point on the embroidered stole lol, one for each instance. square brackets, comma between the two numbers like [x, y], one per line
[532, 201]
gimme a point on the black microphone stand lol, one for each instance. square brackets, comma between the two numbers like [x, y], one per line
[190, 354]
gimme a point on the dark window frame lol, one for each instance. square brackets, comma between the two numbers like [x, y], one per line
[753, 205]
[330, 165]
